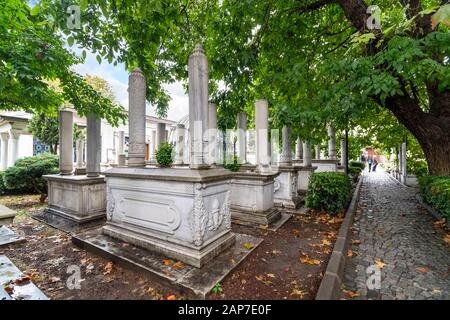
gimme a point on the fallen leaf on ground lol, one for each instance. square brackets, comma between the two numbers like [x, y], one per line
[297, 292]
[108, 268]
[356, 242]
[422, 269]
[447, 238]
[326, 242]
[380, 264]
[296, 232]
[23, 280]
[349, 253]
[167, 262]
[351, 294]
[310, 261]
[271, 275]
[179, 265]
[248, 245]
[264, 227]
[125, 245]
[171, 297]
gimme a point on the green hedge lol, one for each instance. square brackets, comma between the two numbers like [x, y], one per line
[357, 164]
[330, 191]
[436, 193]
[26, 175]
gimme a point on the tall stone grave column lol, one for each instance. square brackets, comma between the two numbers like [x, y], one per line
[137, 97]
[4, 151]
[343, 152]
[65, 142]
[317, 151]
[307, 154]
[120, 141]
[298, 149]
[242, 136]
[152, 145]
[262, 135]
[198, 108]
[331, 143]
[286, 154]
[179, 152]
[160, 134]
[212, 133]
[80, 153]
[94, 149]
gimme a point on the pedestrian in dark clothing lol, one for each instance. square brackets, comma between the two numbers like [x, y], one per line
[369, 162]
[375, 163]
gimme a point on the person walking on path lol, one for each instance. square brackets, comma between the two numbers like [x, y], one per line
[369, 162]
[374, 165]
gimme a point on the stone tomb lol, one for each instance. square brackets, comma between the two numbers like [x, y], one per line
[252, 198]
[179, 212]
[6, 215]
[325, 165]
[286, 188]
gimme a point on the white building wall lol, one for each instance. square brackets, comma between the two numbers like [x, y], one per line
[25, 146]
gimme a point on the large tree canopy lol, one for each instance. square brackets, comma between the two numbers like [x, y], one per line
[316, 61]
[32, 55]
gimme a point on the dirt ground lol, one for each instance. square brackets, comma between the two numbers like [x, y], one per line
[288, 264]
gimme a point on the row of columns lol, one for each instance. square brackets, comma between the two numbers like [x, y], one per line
[9, 148]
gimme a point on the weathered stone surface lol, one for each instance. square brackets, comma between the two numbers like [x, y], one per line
[192, 281]
[9, 273]
[65, 142]
[77, 198]
[180, 212]
[325, 165]
[6, 215]
[304, 174]
[252, 198]
[286, 195]
[7, 236]
[262, 135]
[242, 136]
[179, 147]
[93, 146]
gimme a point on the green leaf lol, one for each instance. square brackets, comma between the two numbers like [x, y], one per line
[35, 10]
[83, 5]
[70, 41]
[83, 54]
[99, 59]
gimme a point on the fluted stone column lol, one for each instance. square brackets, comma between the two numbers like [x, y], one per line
[198, 108]
[80, 153]
[343, 152]
[307, 154]
[286, 154]
[13, 146]
[317, 151]
[4, 151]
[179, 152]
[212, 133]
[94, 148]
[65, 142]
[136, 118]
[298, 149]
[120, 141]
[262, 135]
[153, 145]
[160, 134]
[331, 143]
[242, 136]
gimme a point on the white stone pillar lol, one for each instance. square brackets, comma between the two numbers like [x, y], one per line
[65, 142]
[286, 154]
[13, 146]
[136, 118]
[307, 154]
[179, 136]
[400, 157]
[343, 152]
[242, 136]
[212, 133]
[153, 145]
[198, 108]
[94, 148]
[262, 135]
[4, 151]
[120, 142]
[160, 134]
[331, 143]
[80, 153]
[403, 167]
[317, 151]
[298, 149]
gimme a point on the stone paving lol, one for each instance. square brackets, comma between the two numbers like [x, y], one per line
[392, 230]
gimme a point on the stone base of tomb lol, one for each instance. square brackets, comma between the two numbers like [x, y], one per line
[285, 195]
[325, 165]
[304, 174]
[6, 215]
[193, 282]
[76, 200]
[181, 213]
[252, 198]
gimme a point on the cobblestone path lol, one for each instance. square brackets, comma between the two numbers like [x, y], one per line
[392, 230]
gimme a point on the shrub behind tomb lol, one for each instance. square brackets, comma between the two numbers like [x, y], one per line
[329, 191]
[435, 192]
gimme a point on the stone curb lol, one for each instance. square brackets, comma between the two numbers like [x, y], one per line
[330, 286]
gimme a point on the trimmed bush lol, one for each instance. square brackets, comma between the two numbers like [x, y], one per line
[357, 164]
[436, 193]
[164, 155]
[26, 174]
[330, 191]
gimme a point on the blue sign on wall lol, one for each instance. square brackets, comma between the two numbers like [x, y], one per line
[39, 147]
